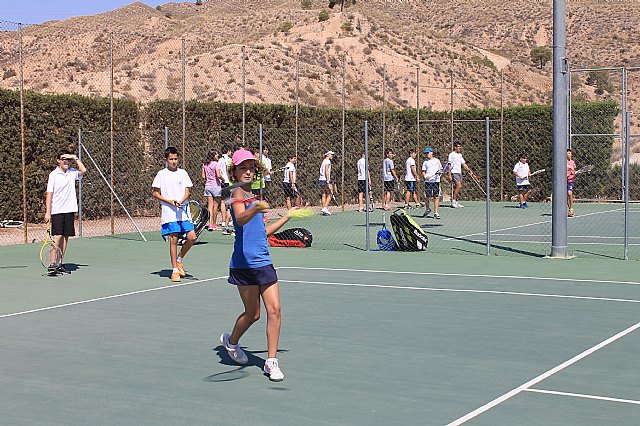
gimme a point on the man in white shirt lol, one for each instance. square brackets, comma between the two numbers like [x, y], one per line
[289, 183]
[431, 171]
[363, 176]
[266, 162]
[223, 166]
[455, 172]
[411, 180]
[389, 177]
[522, 172]
[171, 187]
[325, 182]
[61, 204]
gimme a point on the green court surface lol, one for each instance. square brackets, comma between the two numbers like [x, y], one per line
[367, 339]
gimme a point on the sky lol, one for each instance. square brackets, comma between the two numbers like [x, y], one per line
[39, 11]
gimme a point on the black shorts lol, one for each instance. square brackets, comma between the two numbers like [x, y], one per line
[432, 189]
[523, 188]
[410, 185]
[289, 192]
[62, 224]
[263, 275]
[362, 186]
[389, 185]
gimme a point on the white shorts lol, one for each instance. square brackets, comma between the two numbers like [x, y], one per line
[213, 191]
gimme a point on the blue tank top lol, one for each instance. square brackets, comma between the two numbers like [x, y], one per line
[250, 249]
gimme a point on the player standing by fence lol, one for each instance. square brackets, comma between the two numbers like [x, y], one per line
[411, 180]
[571, 177]
[456, 160]
[389, 176]
[431, 171]
[522, 172]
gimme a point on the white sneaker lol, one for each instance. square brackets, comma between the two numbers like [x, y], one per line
[458, 205]
[454, 203]
[236, 354]
[273, 370]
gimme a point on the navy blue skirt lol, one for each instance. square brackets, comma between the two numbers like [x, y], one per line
[263, 275]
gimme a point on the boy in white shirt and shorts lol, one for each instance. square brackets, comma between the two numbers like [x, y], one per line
[172, 187]
[431, 171]
[455, 172]
[411, 180]
[522, 172]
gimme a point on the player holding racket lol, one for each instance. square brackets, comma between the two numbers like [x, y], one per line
[251, 268]
[212, 187]
[325, 182]
[522, 173]
[389, 176]
[172, 187]
[571, 177]
[455, 173]
[431, 171]
[289, 182]
[61, 205]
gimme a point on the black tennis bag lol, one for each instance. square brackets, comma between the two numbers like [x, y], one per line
[409, 235]
[293, 237]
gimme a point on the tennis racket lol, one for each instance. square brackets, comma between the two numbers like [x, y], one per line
[477, 181]
[447, 167]
[333, 193]
[50, 254]
[537, 172]
[11, 223]
[585, 169]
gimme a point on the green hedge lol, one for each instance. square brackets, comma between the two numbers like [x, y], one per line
[52, 123]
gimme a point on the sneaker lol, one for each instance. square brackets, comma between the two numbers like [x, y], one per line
[426, 212]
[418, 205]
[454, 204]
[386, 207]
[226, 231]
[571, 213]
[458, 205]
[407, 207]
[52, 270]
[272, 369]
[360, 210]
[525, 205]
[175, 277]
[436, 216]
[61, 269]
[215, 228]
[236, 353]
[522, 206]
[211, 228]
[181, 270]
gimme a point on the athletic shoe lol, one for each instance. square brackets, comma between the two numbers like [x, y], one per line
[436, 216]
[236, 353]
[210, 228]
[458, 205]
[571, 213]
[522, 206]
[181, 270]
[418, 205]
[175, 277]
[426, 212]
[361, 210]
[52, 270]
[386, 207]
[525, 205]
[454, 204]
[325, 212]
[61, 269]
[407, 206]
[272, 369]
[228, 231]
[215, 228]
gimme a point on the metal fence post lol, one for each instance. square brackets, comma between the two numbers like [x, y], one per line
[260, 157]
[488, 186]
[366, 184]
[25, 217]
[344, 73]
[243, 96]
[80, 185]
[184, 109]
[112, 129]
[626, 161]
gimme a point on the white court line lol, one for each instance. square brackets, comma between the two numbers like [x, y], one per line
[444, 274]
[543, 376]
[569, 236]
[529, 224]
[581, 395]
[97, 299]
[574, 243]
[456, 290]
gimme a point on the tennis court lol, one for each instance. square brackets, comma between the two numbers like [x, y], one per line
[368, 338]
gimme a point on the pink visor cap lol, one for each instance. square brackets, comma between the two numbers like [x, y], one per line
[241, 155]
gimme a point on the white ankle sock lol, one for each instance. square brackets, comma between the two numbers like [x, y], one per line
[179, 259]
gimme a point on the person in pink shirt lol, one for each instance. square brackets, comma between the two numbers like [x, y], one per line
[212, 187]
[571, 176]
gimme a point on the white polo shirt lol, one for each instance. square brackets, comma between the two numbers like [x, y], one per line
[63, 187]
[523, 170]
[408, 175]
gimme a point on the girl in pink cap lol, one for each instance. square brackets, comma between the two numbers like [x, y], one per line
[251, 269]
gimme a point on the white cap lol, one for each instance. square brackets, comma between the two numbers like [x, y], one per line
[328, 152]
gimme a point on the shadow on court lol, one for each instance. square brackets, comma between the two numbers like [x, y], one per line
[166, 273]
[239, 372]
